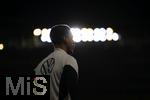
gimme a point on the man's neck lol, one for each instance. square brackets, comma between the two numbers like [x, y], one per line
[61, 47]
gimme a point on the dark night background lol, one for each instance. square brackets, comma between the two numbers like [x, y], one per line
[110, 70]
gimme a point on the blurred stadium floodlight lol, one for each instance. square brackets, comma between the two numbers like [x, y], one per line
[109, 33]
[76, 34]
[45, 36]
[83, 34]
[1, 46]
[115, 36]
[99, 34]
[37, 32]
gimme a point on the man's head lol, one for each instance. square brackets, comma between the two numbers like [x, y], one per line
[61, 36]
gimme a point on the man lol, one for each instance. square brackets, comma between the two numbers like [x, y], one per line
[60, 65]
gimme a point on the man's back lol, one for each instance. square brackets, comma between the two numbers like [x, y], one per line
[54, 66]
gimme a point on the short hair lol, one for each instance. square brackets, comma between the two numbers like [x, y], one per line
[58, 32]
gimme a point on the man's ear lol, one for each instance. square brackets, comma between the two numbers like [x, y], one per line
[66, 39]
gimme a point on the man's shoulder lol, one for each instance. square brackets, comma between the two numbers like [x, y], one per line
[71, 58]
[71, 61]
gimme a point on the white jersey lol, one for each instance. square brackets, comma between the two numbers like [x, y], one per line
[53, 65]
